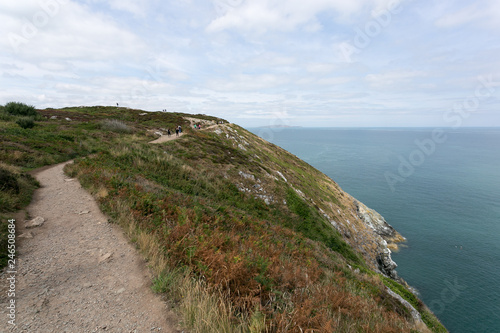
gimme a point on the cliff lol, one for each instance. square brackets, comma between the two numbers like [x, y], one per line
[279, 244]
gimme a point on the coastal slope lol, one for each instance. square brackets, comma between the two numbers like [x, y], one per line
[272, 242]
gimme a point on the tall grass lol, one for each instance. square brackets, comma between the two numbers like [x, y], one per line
[115, 125]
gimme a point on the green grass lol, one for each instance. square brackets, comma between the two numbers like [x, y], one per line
[427, 317]
[219, 250]
[313, 226]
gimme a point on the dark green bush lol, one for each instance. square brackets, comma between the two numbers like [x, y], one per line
[4, 116]
[8, 181]
[20, 109]
[26, 122]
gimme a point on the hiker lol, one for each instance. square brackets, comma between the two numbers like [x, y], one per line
[168, 131]
[177, 131]
[195, 126]
[180, 129]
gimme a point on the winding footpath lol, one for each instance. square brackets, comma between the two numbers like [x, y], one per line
[77, 272]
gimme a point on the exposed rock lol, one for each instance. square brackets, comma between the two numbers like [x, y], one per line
[299, 192]
[36, 222]
[267, 198]
[386, 234]
[281, 175]
[68, 119]
[376, 221]
[414, 313]
[246, 175]
[105, 257]
[27, 235]
[53, 117]
[386, 264]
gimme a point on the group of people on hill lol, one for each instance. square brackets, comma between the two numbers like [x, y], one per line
[178, 130]
[198, 126]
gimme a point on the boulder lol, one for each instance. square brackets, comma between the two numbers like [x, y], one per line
[36, 222]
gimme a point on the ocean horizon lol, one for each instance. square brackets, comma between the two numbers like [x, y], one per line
[439, 189]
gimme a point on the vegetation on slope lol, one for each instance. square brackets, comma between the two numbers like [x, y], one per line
[216, 217]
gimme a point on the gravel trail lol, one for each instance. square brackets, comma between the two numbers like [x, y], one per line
[78, 273]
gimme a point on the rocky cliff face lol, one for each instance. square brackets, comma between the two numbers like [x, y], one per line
[361, 227]
[387, 235]
[371, 235]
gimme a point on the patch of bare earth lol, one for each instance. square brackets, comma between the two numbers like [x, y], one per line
[78, 273]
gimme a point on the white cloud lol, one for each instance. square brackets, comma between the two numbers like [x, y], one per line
[249, 59]
[485, 13]
[64, 31]
[394, 79]
[263, 15]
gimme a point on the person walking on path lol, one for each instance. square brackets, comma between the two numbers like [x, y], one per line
[177, 131]
[168, 131]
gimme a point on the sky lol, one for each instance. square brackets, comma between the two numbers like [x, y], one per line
[327, 63]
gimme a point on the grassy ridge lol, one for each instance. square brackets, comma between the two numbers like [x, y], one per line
[243, 251]
[245, 254]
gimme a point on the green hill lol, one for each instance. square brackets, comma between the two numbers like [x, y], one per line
[243, 236]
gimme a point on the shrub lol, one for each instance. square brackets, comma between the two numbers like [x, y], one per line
[26, 122]
[8, 181]
[15, 190]
[114, 125]
[20, 109]
[4, 116]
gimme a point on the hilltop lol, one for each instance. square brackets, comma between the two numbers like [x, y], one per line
[241, 234]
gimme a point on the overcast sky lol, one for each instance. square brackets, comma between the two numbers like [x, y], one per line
[260, 62]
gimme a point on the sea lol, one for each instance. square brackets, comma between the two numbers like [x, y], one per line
[440, 188]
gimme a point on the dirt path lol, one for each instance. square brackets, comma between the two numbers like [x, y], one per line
[165, 138]
[78, 273]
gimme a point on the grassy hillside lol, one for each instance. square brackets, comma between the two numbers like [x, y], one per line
[240, 232]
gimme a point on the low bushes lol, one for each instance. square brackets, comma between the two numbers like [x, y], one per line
[20, 109]
[24, 115]
[26, 122]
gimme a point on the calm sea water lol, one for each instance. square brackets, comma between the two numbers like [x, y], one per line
[442, 194]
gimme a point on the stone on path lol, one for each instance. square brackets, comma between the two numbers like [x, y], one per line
[36, 222]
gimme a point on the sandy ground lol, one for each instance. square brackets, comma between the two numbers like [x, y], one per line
[79, 273]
